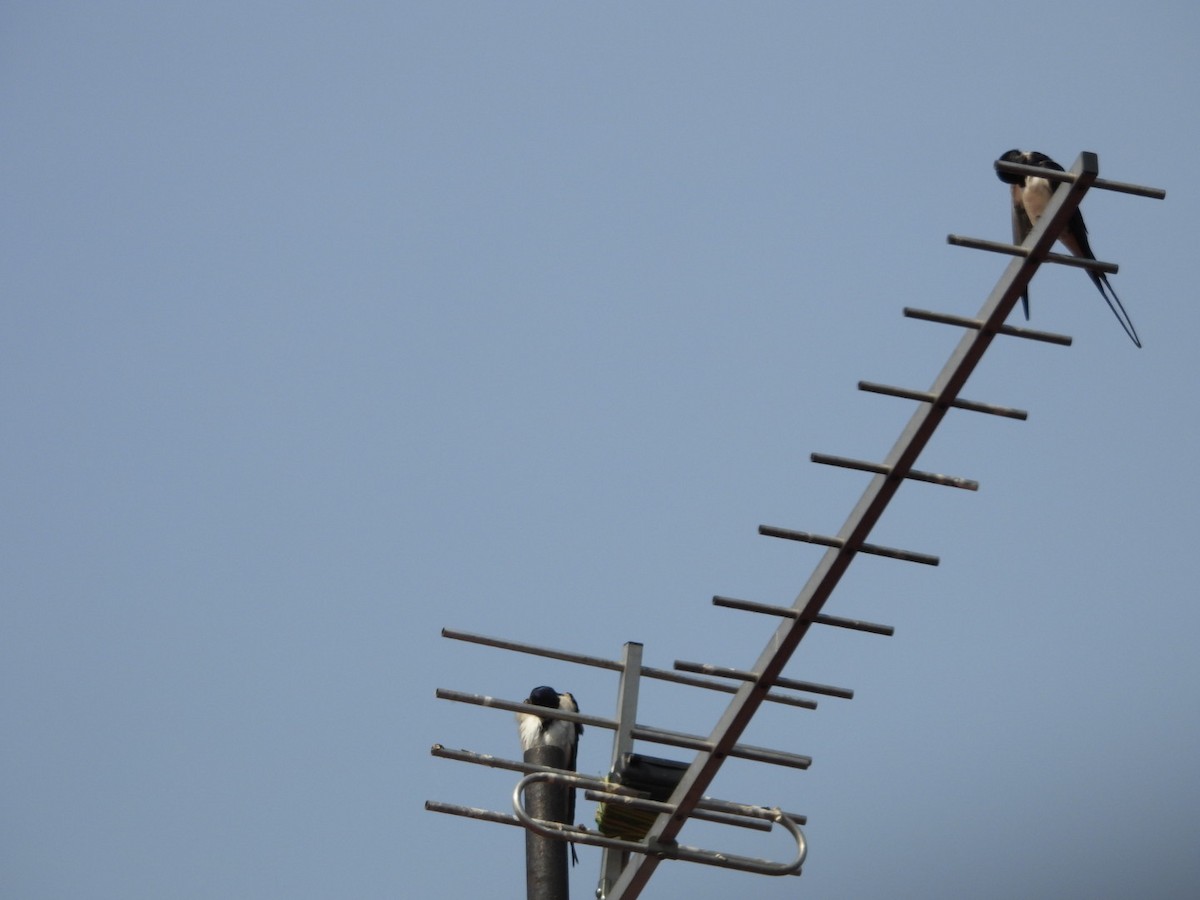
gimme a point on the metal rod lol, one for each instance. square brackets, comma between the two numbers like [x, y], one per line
[1124, 187]
[1121, 187]
[627, 706]
[789, 534]
[513, 706]
[1031, 334]
[862, 519]
[513, 765]
[762, 812]
[930, 397]
[612, 861]
[708, 803]
[611, 664]
[1077, 262]
[640, 732]
[788, 612]
[1023, 169]
[740, 751]
[879, 469]
[527, 768]
[737, 821]
[547, 652]
[785, 700]
[471, 812]
[854, 625]
[494, 762]
[742, 675]
[499, 818]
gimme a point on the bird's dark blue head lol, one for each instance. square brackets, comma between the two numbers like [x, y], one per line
[544, 696]
[1025, 158]
[1012, 156]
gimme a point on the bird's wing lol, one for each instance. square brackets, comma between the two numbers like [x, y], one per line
[1045, 162]
[1021, 226]
[567, 702]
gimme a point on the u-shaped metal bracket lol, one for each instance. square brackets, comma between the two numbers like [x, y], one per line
[611, 793]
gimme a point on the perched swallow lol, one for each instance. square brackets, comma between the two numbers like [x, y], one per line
[1030, 195]
[537, 731]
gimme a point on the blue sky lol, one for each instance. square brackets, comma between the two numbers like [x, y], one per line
[330, 325]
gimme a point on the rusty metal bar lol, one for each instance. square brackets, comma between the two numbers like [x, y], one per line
[1121, 187]
[640, 732]
[613, 665]
[837, 543]
[788, 612]
[854, 625]
[743, 675]
[844, 462]
[740, 751]
[1062, 259]
[930, 397]
[1032, 334]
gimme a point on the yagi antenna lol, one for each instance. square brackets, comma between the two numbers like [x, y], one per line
[644, 801]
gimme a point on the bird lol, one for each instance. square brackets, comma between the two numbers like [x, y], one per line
[540, 731]
[1030, 195]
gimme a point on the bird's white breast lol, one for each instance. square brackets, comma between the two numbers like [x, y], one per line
[555, 734]
[530, 728]
[1035, 196]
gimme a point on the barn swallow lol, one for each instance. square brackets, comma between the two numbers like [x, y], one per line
[1030, 195]
[538, 731]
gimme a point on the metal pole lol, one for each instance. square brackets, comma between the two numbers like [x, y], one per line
[545, 858]
[613, 861]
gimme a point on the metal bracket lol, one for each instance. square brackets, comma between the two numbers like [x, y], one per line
[607, 792]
